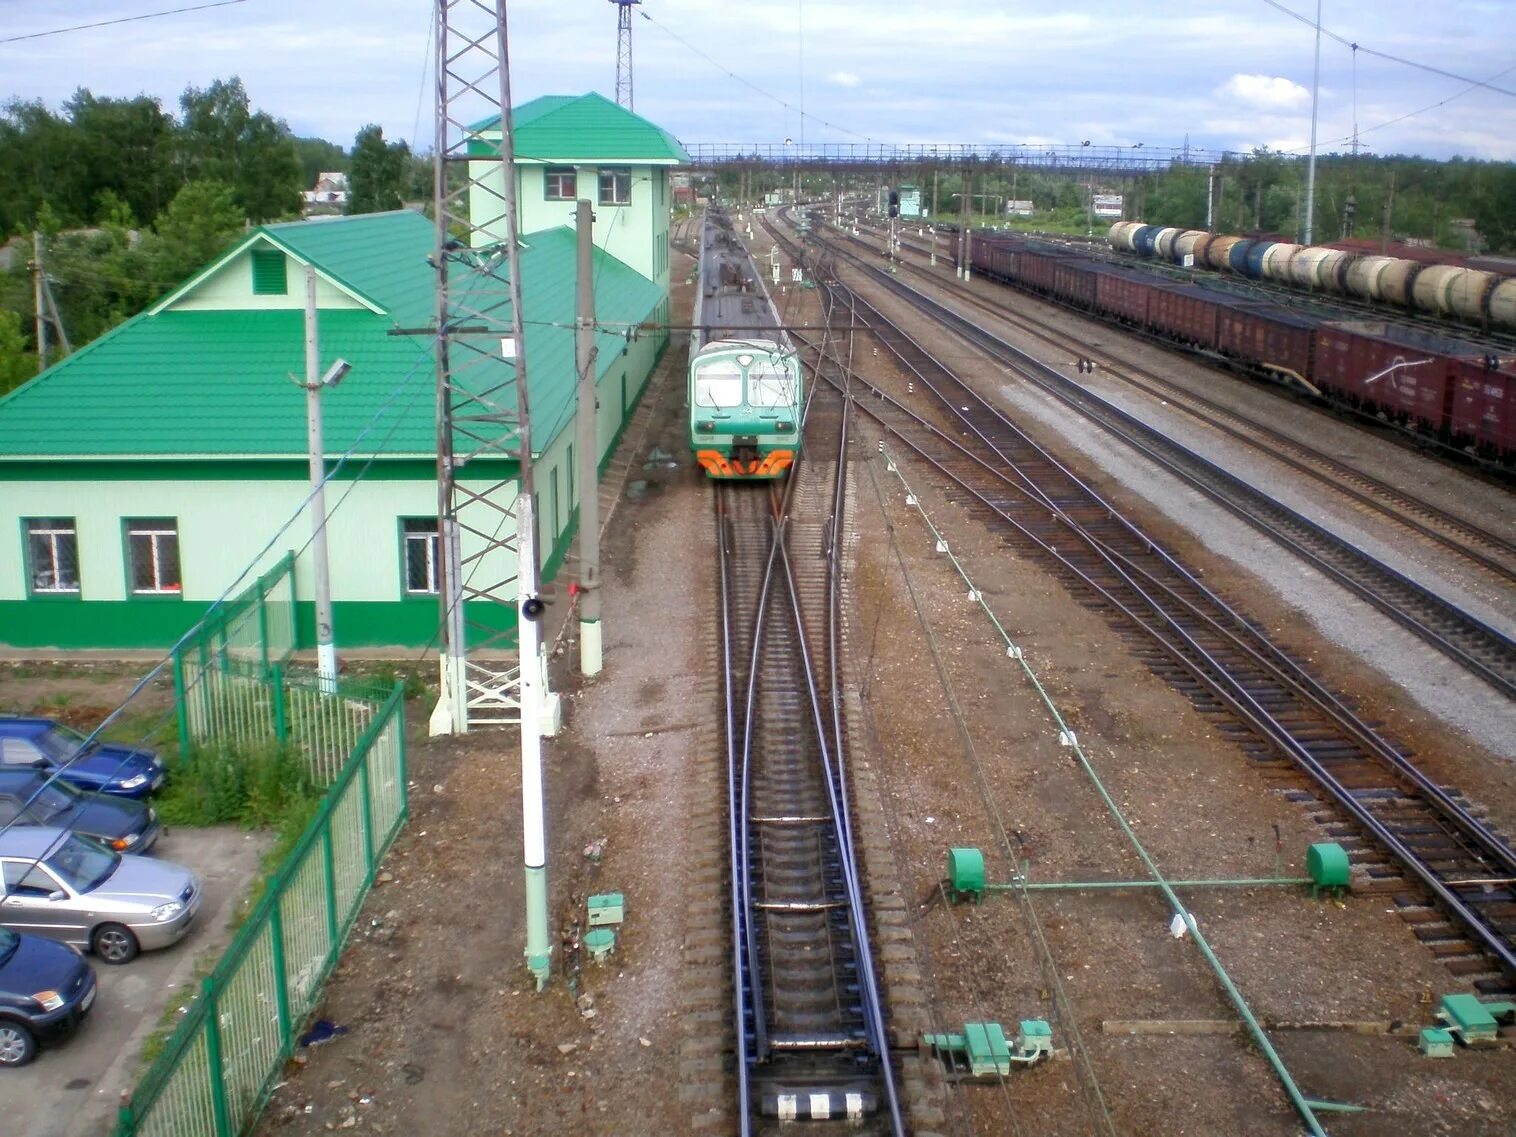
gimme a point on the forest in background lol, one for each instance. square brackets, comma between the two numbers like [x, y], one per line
[131, 199]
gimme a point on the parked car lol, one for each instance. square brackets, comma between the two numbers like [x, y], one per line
[70, 888]
[46, 989]
[30, 797]
[43, 744]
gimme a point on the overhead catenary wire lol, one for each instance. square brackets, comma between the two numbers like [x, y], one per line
[121, 20]
[1427, 67]
[749, 84]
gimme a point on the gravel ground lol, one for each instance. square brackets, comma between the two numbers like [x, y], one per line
[956, 747]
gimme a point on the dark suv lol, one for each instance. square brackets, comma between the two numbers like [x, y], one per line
[28, 797]
[46, 989]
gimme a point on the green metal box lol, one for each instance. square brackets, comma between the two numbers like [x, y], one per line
[605, 908]
[1435, 1043]
[1327, 865]
[966, 873]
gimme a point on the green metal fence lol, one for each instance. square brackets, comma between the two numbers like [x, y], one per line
[226, 1055]
[221, 673]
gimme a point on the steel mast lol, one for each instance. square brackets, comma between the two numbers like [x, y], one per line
[624, 52]
[486, 522]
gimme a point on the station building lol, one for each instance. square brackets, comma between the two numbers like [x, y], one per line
[144, 474]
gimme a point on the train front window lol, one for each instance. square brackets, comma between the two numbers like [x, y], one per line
[718, 385]
[769, 385]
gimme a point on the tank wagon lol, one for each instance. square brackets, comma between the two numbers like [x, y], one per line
[745, 378]
[1455, 392]
[1482, 293]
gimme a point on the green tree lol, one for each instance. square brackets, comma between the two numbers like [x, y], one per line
[124, 147]
[224, 140]
[379, 172]
[197, 226]
[17, 365]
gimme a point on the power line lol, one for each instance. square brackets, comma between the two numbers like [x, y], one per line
[1310, 23]
[750, 85]
[121, 20]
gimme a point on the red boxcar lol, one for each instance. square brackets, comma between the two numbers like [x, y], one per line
[1124, 295]
[1074, 281]
[1269, 336]
[1484, 406]
[1185, 312]
[1396, 369]
[1035, 268]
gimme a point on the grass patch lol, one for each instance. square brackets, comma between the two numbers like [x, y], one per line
[173, 1013]
[253, 785]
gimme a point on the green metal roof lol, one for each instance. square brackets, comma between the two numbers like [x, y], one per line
[188, 383]
[583, 128]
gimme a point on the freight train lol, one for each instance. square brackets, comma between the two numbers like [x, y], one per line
[1460, 395]
[745, 380]
[1472, 294]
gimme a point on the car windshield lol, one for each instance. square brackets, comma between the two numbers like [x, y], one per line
[55, 798]
[8, 942]
[59, 742]
[82, 864]
[718, 385]
[769, 385]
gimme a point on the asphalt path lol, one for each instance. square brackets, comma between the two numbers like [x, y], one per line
[73, 1089]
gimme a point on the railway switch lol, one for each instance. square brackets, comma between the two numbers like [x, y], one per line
[965, 875]
[1472, 1022]
[983, 1051]
[1327, 864]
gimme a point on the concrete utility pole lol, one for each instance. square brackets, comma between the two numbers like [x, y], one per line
[587, 438]
[37, 279]
[1310, 167]
[326, 648]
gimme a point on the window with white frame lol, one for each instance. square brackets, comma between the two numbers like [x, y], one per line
[559, 183]
[152, 554]
[616, 185]
[52, 556]
[419, 548]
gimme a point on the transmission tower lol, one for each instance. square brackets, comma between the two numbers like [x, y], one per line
[486, 523]
[624, 52]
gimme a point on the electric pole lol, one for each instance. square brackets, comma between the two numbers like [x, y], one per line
[587, 437]
[38, 280]
[315, 381]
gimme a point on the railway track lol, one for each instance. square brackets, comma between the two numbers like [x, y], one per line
[811, 1040]
[1449, 873]
[1481, 649]
[1488, 552]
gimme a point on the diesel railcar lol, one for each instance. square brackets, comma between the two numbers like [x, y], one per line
[746, 385]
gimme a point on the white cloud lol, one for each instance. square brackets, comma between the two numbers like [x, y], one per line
[843, 79]
[1268, 92]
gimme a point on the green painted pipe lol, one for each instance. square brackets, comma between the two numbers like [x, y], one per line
[1069, 886]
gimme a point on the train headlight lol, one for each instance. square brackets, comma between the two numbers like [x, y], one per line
[706, 427]
[784, 426]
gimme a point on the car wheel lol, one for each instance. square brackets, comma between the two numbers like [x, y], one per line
[17, 1046]
[114, 943]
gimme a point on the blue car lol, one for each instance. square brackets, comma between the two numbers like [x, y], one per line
[43, 744]
[46, 989]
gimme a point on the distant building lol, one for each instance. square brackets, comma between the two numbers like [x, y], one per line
[330, 195]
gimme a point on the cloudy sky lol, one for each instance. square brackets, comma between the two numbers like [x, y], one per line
[1230, 74]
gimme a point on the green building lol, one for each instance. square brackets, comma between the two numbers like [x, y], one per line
[140, 476]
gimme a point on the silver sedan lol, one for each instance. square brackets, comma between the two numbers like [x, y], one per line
[69, 888]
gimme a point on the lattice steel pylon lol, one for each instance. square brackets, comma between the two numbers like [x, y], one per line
[486, 516]
[484, 475]
[624, 52]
